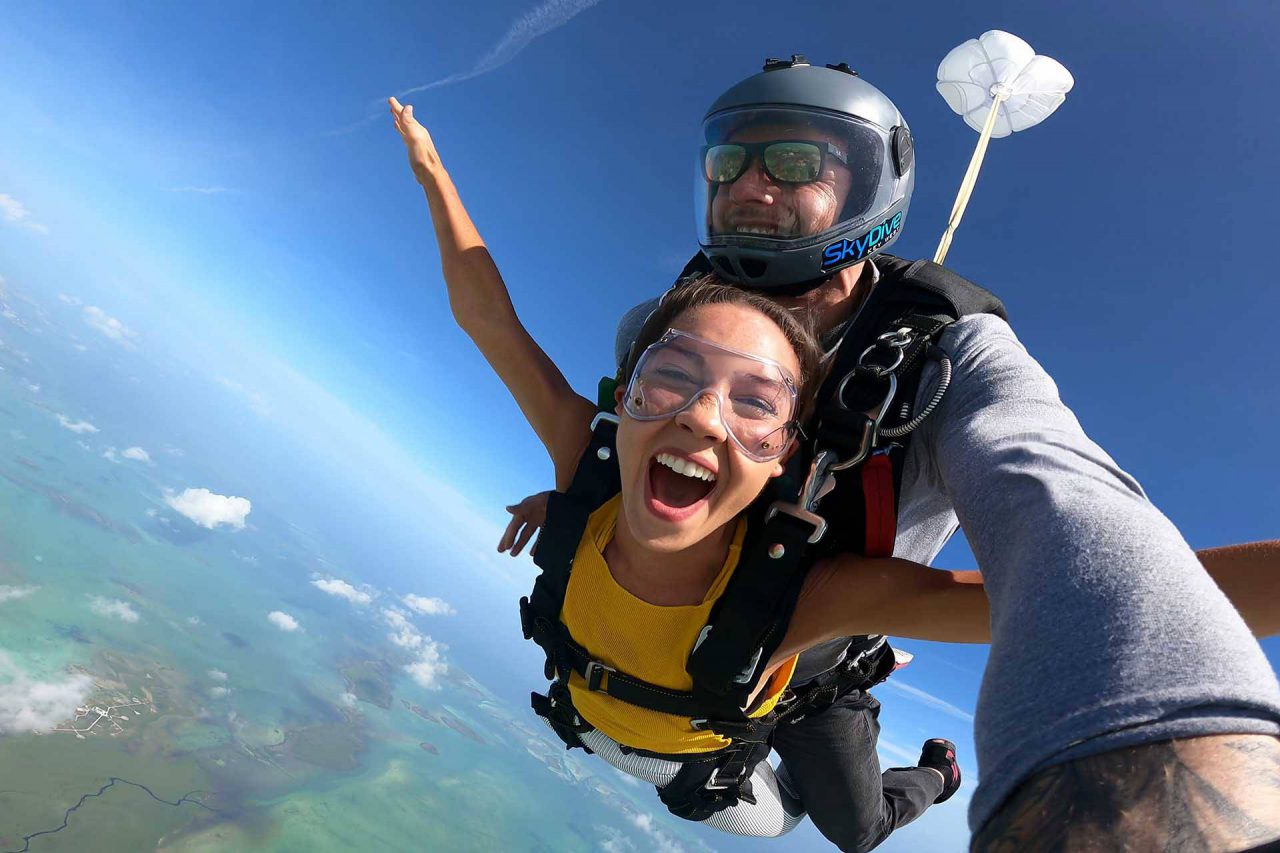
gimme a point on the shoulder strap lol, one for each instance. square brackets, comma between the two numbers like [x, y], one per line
[755, 609]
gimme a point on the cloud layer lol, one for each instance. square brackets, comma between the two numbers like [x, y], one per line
[342, 589]
[283, 620]
[430, 663]
[14, 212]
[11, 593]
[27, 704]
[428, 606]
[113, 608]
[210, 510]
[108, 325]
[78, 427]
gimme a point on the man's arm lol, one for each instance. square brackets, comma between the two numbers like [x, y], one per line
[1107, 633]
[1215, 793]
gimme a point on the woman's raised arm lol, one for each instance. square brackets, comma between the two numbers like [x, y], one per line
[482, 307]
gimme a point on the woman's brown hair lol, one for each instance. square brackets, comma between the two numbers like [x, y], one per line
[711, 290]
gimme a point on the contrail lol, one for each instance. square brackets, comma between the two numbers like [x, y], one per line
[533, 24]
[549, 16]
[929, 699]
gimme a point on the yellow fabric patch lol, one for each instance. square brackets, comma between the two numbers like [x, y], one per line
[648, 641]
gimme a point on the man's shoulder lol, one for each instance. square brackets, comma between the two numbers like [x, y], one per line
[629, 326]
[978, 330]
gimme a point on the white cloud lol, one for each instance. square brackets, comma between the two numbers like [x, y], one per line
[283, 621]
[349, 699]
[69, 300]
[430, 664]
[108, 325]
[614, 841]
[136, 453]
[193, 620]
[27, 704]
[256, 401]
[428, 606]
[929, 699]
[219, 692]
[110, 455]
[661, 841]
[76, 426]
[11, 593]
[406, 636]
[208, 509]
[542, 19]
[342, 589]
[217, 675]
[14, 212]
[113, 608]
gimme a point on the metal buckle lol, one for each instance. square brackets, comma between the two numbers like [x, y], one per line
[714, 783]
[595, 672]
[603, 416]
[898, 341]
[873, 417]
[817, 483]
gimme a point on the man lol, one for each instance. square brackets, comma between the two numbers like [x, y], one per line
[1124, 697]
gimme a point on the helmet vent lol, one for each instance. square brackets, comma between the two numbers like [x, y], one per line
[725, 268]
[842, 66]
[772, 64]
[753, 267]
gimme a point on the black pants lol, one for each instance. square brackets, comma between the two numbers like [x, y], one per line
[829, 760]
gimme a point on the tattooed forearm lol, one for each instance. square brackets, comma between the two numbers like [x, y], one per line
[1206, 794]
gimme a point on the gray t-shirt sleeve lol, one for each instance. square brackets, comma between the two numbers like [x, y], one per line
[1106, 630]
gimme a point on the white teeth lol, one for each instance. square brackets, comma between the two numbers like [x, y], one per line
[764, 231]
[685, 467]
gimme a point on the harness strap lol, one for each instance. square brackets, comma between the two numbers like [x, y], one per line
[881, 506]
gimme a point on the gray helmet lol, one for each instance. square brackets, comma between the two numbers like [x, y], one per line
[780, 149]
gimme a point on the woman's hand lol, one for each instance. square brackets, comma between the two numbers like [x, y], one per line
[526, 518]
[423, 156]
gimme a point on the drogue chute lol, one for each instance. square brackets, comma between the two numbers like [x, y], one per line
[1000, 86]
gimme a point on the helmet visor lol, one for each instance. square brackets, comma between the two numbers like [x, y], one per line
[783, 174]
[756, 397]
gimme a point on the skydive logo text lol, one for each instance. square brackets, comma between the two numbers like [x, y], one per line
[847, 251]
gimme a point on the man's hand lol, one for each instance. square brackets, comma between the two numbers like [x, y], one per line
[526, 518]
[423, 156]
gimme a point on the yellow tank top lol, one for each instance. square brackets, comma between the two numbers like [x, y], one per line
[648, 641]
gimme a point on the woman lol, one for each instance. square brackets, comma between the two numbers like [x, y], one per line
[707, 416]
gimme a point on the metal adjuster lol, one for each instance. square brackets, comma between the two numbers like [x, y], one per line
[595, 673]
[817, 484]
[714, 783]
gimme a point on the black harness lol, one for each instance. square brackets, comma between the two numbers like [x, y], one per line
[854, 461]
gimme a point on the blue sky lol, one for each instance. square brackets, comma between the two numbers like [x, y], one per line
[222, 179]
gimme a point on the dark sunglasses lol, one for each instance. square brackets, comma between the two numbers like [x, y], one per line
[786, 161]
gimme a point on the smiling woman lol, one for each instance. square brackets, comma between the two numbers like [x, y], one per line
[707, 410]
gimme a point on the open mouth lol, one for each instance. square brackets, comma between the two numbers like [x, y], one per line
[677, 487]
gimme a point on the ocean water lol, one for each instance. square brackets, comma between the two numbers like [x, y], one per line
[224, 731]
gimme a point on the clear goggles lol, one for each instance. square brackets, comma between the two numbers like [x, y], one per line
[788, 148]
[756, 397]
